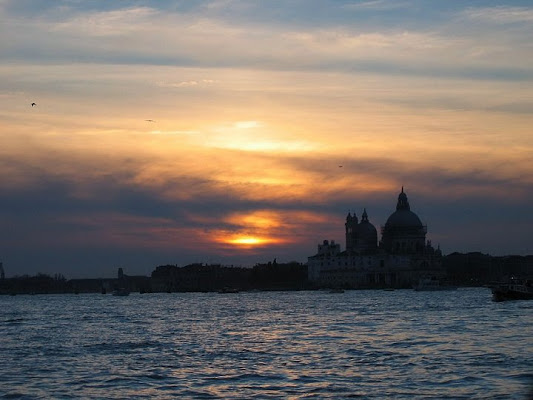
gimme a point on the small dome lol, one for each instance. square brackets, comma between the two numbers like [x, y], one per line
[365, 226]
[367, 233]
[366, 229]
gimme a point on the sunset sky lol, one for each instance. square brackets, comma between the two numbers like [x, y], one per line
[236, 132]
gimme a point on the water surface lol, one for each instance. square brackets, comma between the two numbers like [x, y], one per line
[296, 345]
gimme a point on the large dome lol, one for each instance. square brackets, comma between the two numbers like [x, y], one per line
[403, 216]
[403, 232]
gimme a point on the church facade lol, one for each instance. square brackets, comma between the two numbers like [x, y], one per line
[399, 260]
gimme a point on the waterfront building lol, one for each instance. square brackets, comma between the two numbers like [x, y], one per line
[400, 259]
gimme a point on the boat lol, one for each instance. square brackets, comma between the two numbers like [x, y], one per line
[121, 292]
[432, 284]
[514, 290]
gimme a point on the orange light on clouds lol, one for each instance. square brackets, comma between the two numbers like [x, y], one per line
[255, 229]
[264, 228]
[258, 219]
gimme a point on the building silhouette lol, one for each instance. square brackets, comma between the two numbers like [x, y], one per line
[400, 259]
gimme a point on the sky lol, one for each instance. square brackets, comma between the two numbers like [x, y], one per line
[236, 132]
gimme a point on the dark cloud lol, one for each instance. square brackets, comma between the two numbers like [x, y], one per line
[49, 227]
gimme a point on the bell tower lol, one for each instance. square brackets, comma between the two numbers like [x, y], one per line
[351, 232]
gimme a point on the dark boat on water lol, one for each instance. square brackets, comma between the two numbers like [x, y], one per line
[514, 290]
[432, 284]
[121, 292]
[228, 290]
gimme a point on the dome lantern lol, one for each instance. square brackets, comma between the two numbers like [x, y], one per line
[403, 203]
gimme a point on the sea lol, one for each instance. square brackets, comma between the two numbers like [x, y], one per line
[368, 344]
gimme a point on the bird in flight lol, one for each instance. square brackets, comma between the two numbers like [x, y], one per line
[149, 120]
[33, 104]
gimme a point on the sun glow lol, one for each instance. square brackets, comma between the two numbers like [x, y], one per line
[247, 240]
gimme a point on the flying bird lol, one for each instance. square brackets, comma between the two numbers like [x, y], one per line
[33, 104]
[149, 120]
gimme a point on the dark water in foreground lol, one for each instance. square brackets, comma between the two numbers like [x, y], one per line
[295, 345]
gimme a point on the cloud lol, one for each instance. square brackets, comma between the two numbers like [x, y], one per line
[199, 214]
[247, 124]
[153, 36]
[500, 14]
[380, 5]
[106, 24]
[271, 123]
[191, 83]
[158, 132]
